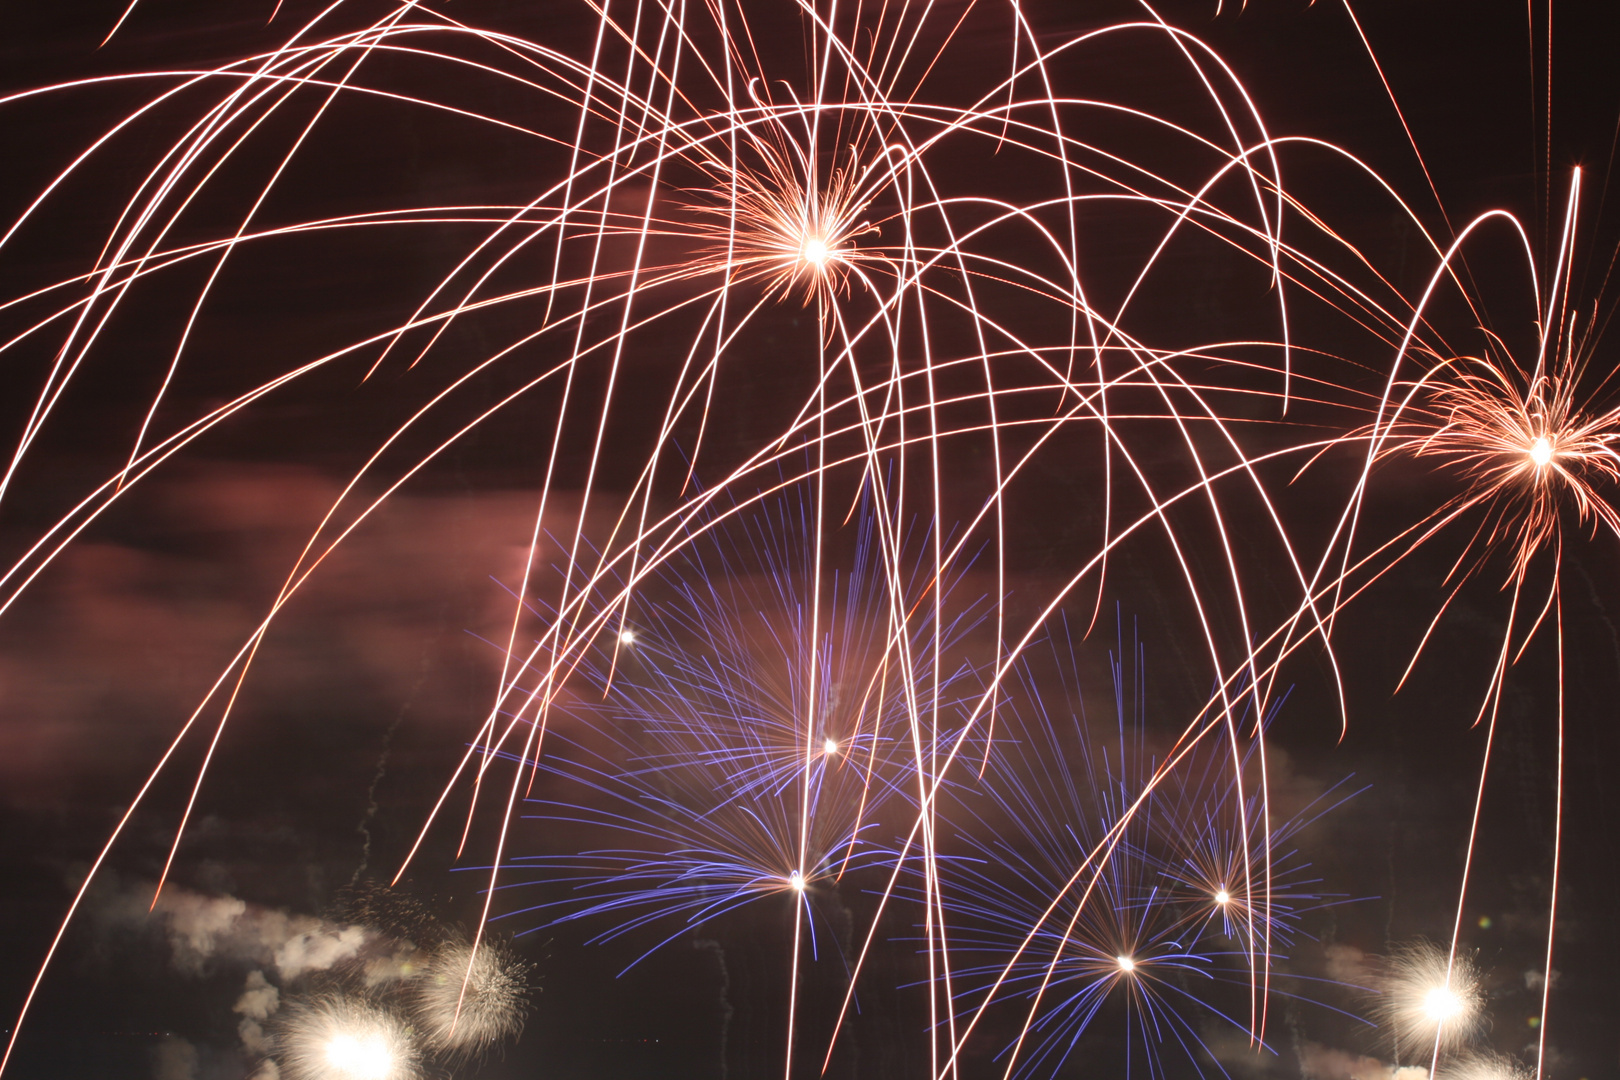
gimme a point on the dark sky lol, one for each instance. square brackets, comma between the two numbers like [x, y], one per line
[373, 679]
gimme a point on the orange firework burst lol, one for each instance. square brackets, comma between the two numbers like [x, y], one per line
[1527, 445]
[1534, 447]
[788, 222]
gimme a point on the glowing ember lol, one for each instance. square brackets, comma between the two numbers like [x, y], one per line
[362, 1057]
[1541, 451]
[1440, 1005]
[814, 251]
[345, 1038]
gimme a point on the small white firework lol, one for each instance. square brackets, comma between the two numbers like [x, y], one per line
[466, 1000]
[1431, 999]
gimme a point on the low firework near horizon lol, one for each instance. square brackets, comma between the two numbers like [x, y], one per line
[345, 1038]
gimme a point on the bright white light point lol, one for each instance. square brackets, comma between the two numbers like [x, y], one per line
[364, 1059]
[1441, 1004]
[1223, 897]
[1126, 963]
[814, 251]
[1541, 451]
[830, 746]
[627, 637]
[796, 880]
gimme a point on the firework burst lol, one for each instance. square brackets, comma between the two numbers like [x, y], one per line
[748, 740]
[1102, 882]
[1431, 1000]
[464, 1001]
[695, 181]
[1531, 446]
[345, 1038]
[1526, 439]
[791, 223]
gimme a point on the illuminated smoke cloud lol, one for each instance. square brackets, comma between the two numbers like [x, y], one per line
[351, 997]
[1348, 964]
[1318, 1062]
[344, 1038]
[405, 961]
[259, 1002]
[492, 1007]
[202, 930]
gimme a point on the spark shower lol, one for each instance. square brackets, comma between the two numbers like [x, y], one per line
[799, 328]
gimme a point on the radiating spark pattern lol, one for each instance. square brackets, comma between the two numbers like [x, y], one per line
[1431, 1001]
[768, 717]
[1080, 901]
[465, 1002]
[1524, 443]
[345, 1038]
[700, 777]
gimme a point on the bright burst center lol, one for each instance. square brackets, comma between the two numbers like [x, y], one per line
[1541, 451]
[627, 637]
[1441, 1004]
[796, 881]
[814, 251]
[1126, 964]
[1223, 897]
[830, 747]
[362, 1059]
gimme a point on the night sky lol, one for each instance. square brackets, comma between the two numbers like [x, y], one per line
[366, 691]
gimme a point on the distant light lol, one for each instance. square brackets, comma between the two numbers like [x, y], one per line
[830, 746]
[627, 637]
[1126, 964]
[814, 251]
[1541, 451]
[1441, 1004]
[1223, 897]
[361, 1058]
[796, 881]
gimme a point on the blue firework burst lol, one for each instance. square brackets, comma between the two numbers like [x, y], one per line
[1115, 899]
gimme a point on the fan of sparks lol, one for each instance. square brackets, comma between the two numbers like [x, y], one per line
[850, 270]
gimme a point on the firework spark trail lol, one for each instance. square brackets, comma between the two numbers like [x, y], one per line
[386, 494]
[721, 673]
[1149, 518]
[1530, 448]
[775, 218]
[1138, 921]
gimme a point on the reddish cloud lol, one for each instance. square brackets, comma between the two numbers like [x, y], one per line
[114, 647]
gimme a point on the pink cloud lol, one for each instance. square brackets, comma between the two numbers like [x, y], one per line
[115, 645]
